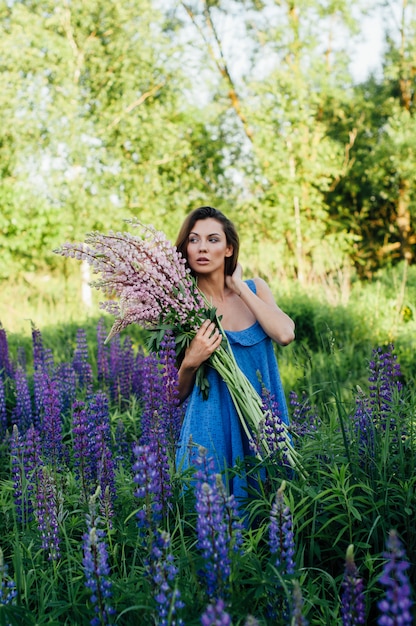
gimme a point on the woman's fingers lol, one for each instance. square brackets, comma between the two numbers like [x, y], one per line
[208, 329]
[209, 335]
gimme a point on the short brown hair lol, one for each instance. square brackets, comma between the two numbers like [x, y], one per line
[203, 213]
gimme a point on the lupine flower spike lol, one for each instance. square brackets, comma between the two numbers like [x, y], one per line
[8, 591]
[153, 482]
[47, 512]
[216, 614]
[281, 540]
[282, 550]
[218, 530]
[6, 367]
[3, 413]
[96, 567]
[163, 572]
[395, 607]
[297, 616]
[352, 596]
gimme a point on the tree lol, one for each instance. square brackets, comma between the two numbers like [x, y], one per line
[95, 127]
[376, 196]
[291, 159]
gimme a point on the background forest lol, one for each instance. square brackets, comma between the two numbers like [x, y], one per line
[113, 110]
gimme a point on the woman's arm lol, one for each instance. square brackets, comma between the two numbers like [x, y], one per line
[279, 326]
[206, 341]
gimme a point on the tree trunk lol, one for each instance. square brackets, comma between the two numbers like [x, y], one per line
[403, 221]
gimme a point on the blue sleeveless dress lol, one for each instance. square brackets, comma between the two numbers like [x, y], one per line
[214, 423]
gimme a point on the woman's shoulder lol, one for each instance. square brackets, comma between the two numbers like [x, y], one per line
[256, 283]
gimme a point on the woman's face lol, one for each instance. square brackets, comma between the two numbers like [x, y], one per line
[207, 246]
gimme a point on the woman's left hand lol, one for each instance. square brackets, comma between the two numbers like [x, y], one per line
[235, 281]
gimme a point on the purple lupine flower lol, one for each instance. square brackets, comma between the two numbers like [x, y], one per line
[363, 421]
[282, 549]
[16, 455]
[50, 422]
[215, 614]
[121, 367]
[146, 479]
[136, 381]
[122, 446]
[171, 412]
[39, 384]
[47, 512]
[304, 420]
[67, 380]
[395, 607]
[105, 477]
[297, 616]
[99, 445]
[21, 358]
[272, 431]
[103, 367]
[281, 540]
[37, 345]
[22, 414]
[231, 517]
[152, 390]
[163, 572]
[93, 458]
[152, 479]
[3, 413]
[159, 445]
[374, 413]
[40, 368]
[216, 536]
[6, 367]
[8, 590]
[384, 381]
[32, 451]
[84, 465]
[25, 457]
[99, 415]
[115, 368]
[352, 596]
[96, 568]
[127, 365]
[80, 361]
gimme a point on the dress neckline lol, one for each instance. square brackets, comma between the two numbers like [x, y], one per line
[243, 330]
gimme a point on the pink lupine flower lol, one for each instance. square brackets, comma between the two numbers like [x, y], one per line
[147, 275]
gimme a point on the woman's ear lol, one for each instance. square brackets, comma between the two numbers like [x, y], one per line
[229, 250]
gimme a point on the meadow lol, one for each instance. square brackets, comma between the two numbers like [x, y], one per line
[100, 526]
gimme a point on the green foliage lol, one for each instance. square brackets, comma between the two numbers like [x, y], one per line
[110, 111]
[355, 491]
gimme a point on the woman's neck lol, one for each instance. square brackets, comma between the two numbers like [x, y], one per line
[213, 288]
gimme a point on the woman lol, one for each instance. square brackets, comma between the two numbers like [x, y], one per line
[251, 319]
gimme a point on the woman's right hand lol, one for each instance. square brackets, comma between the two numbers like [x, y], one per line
[207, 339]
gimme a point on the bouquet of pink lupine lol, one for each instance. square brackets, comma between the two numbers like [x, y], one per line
[148, 283]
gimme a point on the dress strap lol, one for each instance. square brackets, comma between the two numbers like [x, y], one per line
[250, 282]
